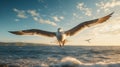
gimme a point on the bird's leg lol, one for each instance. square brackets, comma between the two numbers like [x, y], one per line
[59, 43]
[63, 42]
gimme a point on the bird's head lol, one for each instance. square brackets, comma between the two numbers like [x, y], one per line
[60, 29]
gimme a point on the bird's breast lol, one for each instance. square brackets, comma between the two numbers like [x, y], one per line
[61, 36]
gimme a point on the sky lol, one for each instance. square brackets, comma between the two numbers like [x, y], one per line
[51, 14]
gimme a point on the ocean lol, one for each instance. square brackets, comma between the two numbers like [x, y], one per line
[55, 56]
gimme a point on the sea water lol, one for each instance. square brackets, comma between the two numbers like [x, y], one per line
[55, 56]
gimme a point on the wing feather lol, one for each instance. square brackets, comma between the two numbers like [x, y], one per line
[34, 31]
[87, 24]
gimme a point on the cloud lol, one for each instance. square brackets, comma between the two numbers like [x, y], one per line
[111, 27]
[20, 13]
[36, 16]
[47, 22]
[113, 32]
[58, 19]
[114, 27]
[106, 6]
[61, 17]
[33, 13]
[82, 7]
[41, 20]
[77, 15]
[17, 20]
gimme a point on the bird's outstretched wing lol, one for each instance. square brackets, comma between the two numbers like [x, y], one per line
[87, 24]
[33, 31]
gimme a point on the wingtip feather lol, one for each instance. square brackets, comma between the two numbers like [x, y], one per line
[111, 13]
[15, 32]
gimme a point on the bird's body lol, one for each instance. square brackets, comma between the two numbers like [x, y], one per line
[60, 34]
[61, 37]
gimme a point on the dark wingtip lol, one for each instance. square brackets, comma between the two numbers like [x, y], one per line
[10, 31]
[15, 32]
[112, 13]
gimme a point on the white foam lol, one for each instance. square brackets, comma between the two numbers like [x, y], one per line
[73, 62]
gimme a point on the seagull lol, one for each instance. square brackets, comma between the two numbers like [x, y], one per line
[88, 40]
[60, 34]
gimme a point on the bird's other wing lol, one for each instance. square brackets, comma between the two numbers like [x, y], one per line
[33, 31]
[87, 24]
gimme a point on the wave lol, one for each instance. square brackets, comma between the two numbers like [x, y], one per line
[44, 56]
[64, 62]
[73, 62]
